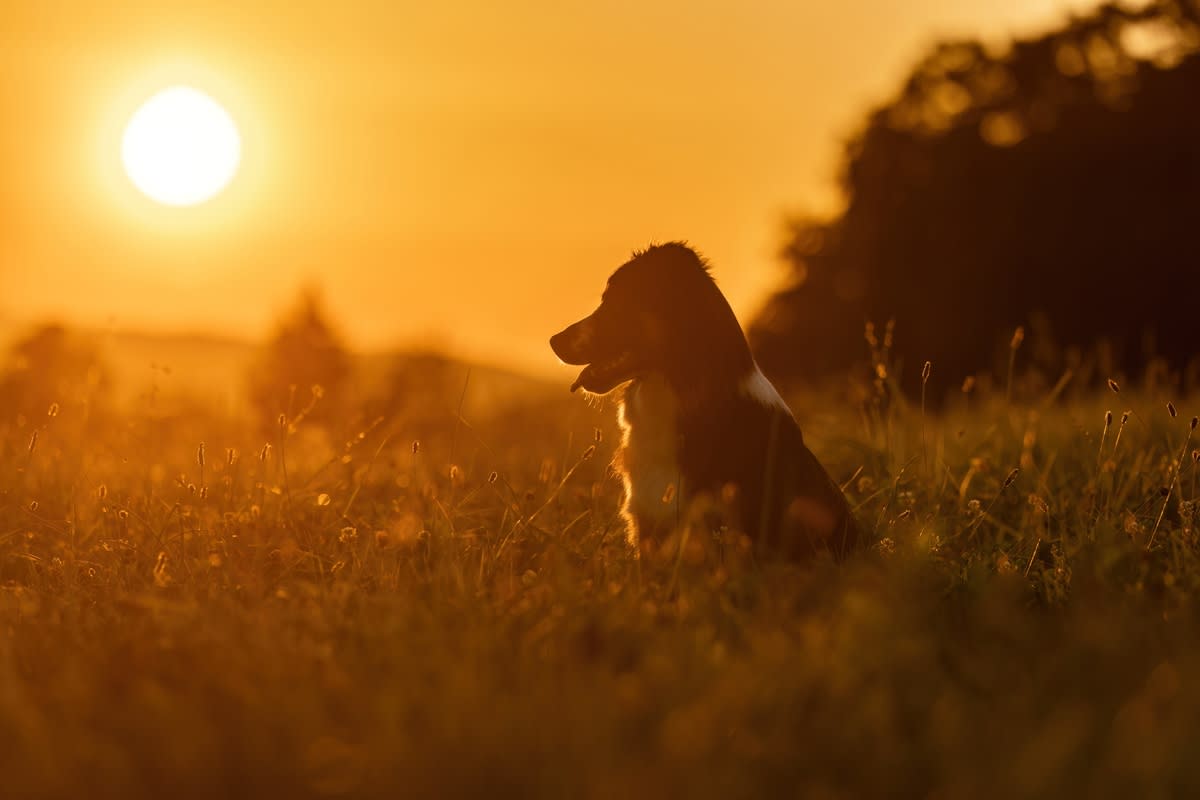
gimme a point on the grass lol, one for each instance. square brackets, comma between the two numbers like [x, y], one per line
[327, 617]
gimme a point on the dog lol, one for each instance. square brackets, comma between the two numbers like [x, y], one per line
[698, 417]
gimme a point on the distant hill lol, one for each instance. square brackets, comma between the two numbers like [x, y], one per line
[212, 370]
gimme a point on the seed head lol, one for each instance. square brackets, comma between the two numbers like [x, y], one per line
[53, 410]
[1195, 422]
[1012, 476]
[33, 442]
[591, 451]
[1116, 387]
[102, 491]
[597, 436]
[1018, 337]
[968, 385]
[926, 370]
[200, 454]
[416, 446]
[492, 478]
[669, 494]
[266, 451]
[230, 456]
[1107, 419]
[1171, 410]
[1125, 418]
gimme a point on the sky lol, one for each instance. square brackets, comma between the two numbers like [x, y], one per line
[460, 174]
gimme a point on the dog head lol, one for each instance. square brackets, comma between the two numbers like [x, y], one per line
[661, 312]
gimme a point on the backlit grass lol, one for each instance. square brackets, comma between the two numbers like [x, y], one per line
[452, 611]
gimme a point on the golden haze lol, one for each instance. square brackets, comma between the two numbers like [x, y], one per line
[467, 173]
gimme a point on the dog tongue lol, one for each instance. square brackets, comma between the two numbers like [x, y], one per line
[603, 377]
[586, 374]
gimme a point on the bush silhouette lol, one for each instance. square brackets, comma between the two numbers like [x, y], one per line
[1055, 185]
[303, 370]
[53, 368]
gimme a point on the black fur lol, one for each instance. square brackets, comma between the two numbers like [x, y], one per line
[663, 315]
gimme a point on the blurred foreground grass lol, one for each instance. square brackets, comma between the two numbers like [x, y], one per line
[371, 617]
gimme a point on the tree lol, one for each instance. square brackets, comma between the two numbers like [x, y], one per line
[1055, 185]
[303, 369]
[51, 368]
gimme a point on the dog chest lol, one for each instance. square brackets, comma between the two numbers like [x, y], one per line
[649, 452]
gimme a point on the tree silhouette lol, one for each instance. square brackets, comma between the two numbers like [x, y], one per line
[303, 369]
[1055, 185]
[50, 367]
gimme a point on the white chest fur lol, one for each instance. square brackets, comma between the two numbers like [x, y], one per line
[757, 387]
[648, 459]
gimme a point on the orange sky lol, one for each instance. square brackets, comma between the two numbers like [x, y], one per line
[459, 172]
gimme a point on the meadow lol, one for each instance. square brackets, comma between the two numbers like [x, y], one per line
[430, 602]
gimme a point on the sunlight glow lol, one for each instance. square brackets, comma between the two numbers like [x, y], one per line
[181, 147]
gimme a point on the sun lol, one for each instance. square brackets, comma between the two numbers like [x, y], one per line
[181, 147]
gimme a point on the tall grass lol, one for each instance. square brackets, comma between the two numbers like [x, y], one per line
[362, 615]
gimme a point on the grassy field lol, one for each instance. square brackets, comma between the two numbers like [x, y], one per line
[421, 607]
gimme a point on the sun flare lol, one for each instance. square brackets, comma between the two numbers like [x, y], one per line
[181, 147]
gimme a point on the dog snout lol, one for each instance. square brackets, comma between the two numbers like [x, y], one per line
[573, 344]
